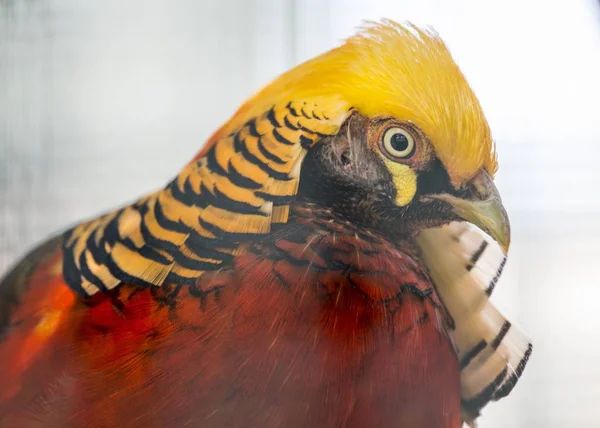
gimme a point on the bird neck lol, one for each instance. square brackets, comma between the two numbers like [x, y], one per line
[315, 238]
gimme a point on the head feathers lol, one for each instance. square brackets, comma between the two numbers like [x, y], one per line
[389, 69]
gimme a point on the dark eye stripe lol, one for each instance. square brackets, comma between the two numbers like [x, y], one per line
[434, 180]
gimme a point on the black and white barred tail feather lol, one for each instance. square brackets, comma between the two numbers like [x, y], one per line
[465, 265]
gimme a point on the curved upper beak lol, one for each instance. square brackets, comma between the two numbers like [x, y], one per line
[483, 208]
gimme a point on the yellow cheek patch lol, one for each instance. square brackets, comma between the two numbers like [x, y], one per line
[405, 181]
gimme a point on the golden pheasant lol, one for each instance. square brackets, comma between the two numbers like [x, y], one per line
[316, 264]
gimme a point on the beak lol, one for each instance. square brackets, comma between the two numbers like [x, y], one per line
[484, 209]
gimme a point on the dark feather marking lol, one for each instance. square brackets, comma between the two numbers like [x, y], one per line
[498, 339]
[237, 143]
[291, 109]
[251, 124]
[266, 168]
[495, 279]
[277, 199]
[280, 254]
[88, 274]
[128, 243]
[423, 318]
[507, 386]
[281, 138]
[228, 236]
[469, 356]
[272, 118]
[356, 287]
[367, 238]
[289, 124]
[369, 252]
[415, 290]
[310, 131]
[70, 271]
[206, 196]
[152, 242]
[422, 294]
[151, 254]
[173, 278]
[306, 115]
[192, 264]
[182, 196]
[477, 255]
[266, 153]
[338, 264]
[321, 290]
[98, 253]
[305, 142]
[208, 248]
[223, 201]
[213, 164]
[166, 295]
[473, 405]
[241, 180]
[166, 223]
[111, 231]
[123, 276]
[198, 292]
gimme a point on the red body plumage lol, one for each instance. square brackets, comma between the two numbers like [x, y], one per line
[316, 325]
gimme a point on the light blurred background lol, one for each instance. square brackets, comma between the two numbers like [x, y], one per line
[104, 100]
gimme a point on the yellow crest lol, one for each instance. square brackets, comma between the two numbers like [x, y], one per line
[389, 69]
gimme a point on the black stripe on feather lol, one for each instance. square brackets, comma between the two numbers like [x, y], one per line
[267, 154]
[241, 180]
[476, 350]
[495, 279]
[88, 274]
[473, 405]
[281, 138]
[507, 386]
[500, 337]
[477, 255]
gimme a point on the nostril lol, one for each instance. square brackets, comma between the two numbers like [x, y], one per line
[345, 159]
[482, 186]
[380, 187]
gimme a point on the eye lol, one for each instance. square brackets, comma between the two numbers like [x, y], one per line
[398, 143]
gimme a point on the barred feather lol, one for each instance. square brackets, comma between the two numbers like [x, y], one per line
[242, 185]
[465, 265]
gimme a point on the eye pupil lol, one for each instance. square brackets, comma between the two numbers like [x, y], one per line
[399, 142]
